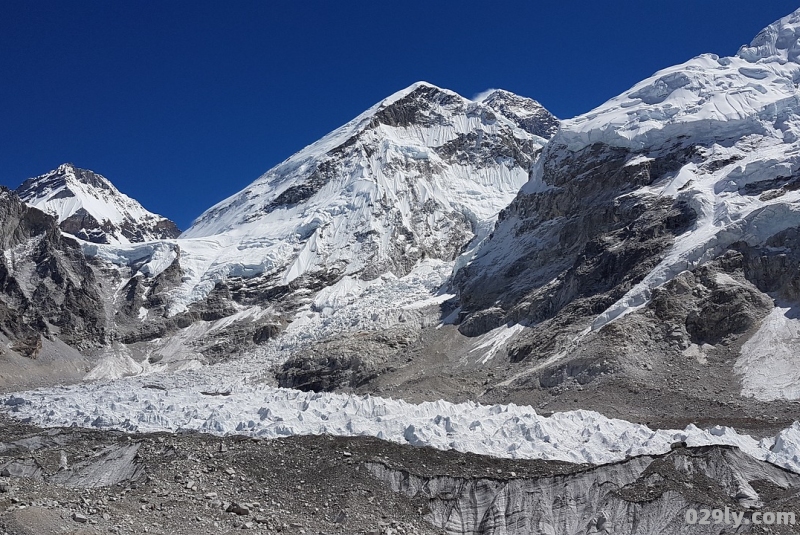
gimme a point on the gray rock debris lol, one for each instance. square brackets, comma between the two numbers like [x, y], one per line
[639, 496]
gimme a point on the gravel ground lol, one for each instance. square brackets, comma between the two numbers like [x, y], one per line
[195, 484]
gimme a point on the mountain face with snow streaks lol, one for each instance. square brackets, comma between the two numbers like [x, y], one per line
[655, 229]
[52, 311]
[662, 223]
[641, 260]
[417, 176]
[88, 206]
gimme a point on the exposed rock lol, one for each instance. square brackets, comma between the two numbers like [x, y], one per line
[527, 113]
[115, 465]
[587, 239]
[238, 509]
[47, 288]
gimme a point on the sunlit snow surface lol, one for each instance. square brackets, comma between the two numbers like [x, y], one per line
[742, 113]
[743, 109]
[374, 183]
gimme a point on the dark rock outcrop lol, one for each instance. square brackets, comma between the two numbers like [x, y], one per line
[582, 242]
[47, 287]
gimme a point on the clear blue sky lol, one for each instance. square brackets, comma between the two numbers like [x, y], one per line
[182, 103]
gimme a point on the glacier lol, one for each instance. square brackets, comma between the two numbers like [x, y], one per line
[158, 403]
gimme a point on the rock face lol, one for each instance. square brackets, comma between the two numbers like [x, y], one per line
[88, 206]
[416, 177]
[584, 241]
[641, 496]
[49, 291]
[525, 112]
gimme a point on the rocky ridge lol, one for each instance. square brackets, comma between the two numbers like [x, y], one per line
[51, 310]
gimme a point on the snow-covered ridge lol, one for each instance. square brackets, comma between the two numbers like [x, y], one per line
[88, 205]
[778, 42]
[509, 431]
[443, 116]
[723, 98]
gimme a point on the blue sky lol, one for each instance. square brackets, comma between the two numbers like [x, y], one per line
[183, 103]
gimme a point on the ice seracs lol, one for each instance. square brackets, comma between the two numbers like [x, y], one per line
[510, 431]
[777, 43]
[88, 206]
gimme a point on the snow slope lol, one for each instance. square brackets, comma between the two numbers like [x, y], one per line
[397, 180]
[717, 139]
[751, 93]
[88, 205]
[741, 115]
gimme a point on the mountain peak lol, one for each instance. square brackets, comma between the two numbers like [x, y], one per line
[420, 88]
[415, 177]
[87, 205]
[69, 172]
[527, 113]
[777, 42]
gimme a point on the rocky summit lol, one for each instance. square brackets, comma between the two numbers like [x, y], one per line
[533, 325]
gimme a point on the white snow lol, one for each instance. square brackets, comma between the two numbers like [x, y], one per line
[745, 109]
[352, 305]
[489, 344]
[116, 362]
[151, 258]
[374, 191]
[480, 97]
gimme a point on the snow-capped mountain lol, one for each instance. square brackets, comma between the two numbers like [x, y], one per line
[88, 206]
[645, 262]
[663, 224]
[524, 112]
[382, 206]
[417, 176]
